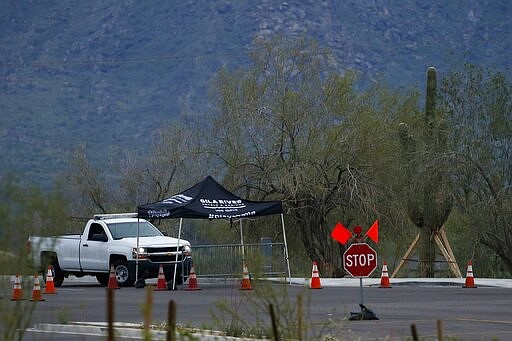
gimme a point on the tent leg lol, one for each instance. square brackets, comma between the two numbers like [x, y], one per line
[286, 251]
[137, 253]
[242, 242]
[177, 250]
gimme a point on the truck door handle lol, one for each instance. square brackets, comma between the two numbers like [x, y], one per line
[85, 245]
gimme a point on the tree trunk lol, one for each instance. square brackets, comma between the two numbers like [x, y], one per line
[427, 254]
[318, 243]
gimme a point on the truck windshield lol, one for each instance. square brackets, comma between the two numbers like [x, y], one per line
[129, 229]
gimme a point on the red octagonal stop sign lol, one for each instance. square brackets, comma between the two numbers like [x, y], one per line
[360, 260]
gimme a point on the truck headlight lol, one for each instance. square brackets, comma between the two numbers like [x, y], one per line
[187, 250]
[142, 253]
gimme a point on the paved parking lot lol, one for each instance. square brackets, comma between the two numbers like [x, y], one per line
[471, 314]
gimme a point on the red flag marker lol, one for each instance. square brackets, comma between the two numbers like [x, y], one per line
[341, 234]
[373, 232]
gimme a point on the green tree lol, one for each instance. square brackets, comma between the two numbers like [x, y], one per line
[479, 106]
[291, 127]
[86, 184]
[128, 179]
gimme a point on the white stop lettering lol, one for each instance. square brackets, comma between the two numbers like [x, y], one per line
[359, 260]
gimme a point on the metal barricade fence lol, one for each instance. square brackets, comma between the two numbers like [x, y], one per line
[226, 260]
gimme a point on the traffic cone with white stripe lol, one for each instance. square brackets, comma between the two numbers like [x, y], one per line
[36, 291]
[50, 286]
[384, 278]
[161, 283]
[192, 280]
[470, 280]
[315, 278]
[17, 293]
[246, 280]
[112, 280]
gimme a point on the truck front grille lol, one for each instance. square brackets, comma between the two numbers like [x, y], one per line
[164, 254]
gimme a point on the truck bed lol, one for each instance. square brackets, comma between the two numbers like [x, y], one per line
[68, 245]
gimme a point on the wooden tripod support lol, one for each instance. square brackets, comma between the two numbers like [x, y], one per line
[443, 245]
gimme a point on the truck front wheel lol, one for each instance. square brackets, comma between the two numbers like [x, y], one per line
[123, 276]
[103, 279]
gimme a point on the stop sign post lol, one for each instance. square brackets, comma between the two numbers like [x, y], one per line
[360, 260]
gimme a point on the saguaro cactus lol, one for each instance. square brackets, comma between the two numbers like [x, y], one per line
[429, 200]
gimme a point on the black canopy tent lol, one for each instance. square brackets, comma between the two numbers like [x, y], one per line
[210, 200]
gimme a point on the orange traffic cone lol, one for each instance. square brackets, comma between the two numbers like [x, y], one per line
[36, 291]
[470, 280]
[161, 283]
[315, 278]
[17, 294]
[112, 280]
[50, 286]
[192, 280]
[384, 278]
[246, 281]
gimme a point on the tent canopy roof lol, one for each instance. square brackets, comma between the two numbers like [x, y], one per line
[208, 200]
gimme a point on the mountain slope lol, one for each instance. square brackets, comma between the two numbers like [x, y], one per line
[110, 74]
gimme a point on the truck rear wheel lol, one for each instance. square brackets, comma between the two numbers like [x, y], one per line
[58, 275]
[123, 276]
[50, 260]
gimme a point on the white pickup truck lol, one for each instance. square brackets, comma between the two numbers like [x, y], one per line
[111, 240]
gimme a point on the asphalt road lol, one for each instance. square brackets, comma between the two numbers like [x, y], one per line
[482, 313]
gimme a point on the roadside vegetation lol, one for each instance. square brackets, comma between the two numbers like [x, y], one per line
[24, 211]
[273, 314]
[289, 127]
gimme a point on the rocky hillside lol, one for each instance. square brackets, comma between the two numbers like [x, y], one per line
[109, 74]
